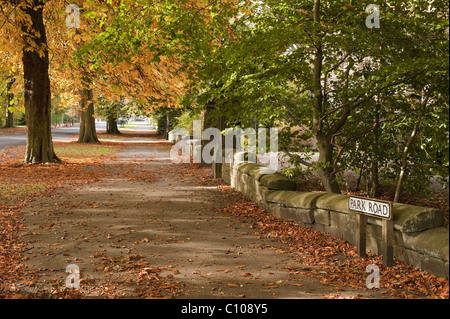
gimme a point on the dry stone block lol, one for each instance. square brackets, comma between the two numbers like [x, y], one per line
[262, 192]
[322, 216]
[279, 197]
[410, 219]
[334, 202]
[302, 199]
[299, 215]
[278, 182]
[433, 265]
[373, 244]
[349, 235]
[335, 231]
[344, 221]
[320, 227]
[425, 262]
[433, 242]
[245, 167]
[259, 171]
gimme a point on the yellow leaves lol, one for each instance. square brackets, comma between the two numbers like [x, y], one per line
[86, 37]
[80, 38]
[143, 80]
[116, 89]
[15, 88]
[135, 59]
[71, 33]
[134, 73]
[134, 77]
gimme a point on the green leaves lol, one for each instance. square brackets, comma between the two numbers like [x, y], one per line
[256, 60]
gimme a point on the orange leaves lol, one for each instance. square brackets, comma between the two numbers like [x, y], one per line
[20, 184]
[11, 260]
[154, 286]
[334, 261]
[78, 168]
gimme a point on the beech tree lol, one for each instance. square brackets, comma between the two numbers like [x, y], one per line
[23, 21]
[342, 91]
[127, 56]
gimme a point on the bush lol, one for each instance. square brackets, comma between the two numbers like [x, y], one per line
[186, 120]
[20, 119]
[160, 118]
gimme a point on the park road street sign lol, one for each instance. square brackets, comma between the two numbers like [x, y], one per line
[375, 208]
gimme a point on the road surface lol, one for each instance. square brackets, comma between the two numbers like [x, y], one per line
[60, 134]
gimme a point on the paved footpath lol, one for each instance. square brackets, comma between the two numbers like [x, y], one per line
[151, 228]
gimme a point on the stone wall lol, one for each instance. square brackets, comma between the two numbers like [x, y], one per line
[420, 236]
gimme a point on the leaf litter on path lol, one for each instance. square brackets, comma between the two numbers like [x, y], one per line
[332, 261]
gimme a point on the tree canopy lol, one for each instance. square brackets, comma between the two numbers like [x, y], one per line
[353, 94]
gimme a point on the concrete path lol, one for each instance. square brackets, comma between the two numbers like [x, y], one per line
[151, 228]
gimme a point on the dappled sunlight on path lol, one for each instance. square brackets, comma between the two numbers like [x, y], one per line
[143, 227]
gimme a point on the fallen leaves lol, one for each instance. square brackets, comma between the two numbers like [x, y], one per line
[13, 130]
[339, 296]
[154, 286]
[21, 183]
[11, 266]
[334, 261]
[134, 174]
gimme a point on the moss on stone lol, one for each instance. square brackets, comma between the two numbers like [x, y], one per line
[278, 182]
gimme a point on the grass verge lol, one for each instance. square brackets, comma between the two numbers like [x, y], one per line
[15, 192]
[79, 151]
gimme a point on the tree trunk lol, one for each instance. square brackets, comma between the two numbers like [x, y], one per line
[221, 124]
[9, 99]
[111, 125]
[404, 166]
[326, 171]
[358, 181]
[208, 122]
[166, 127]
[88, 133]
[9, 119]
[37, 89]
[409, 142]
[374, 183]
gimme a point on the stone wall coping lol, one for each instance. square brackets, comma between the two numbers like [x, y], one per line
[433, 242]
[407, 218]
[277, 182]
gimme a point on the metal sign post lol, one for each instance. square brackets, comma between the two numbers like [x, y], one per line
[379, 209]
